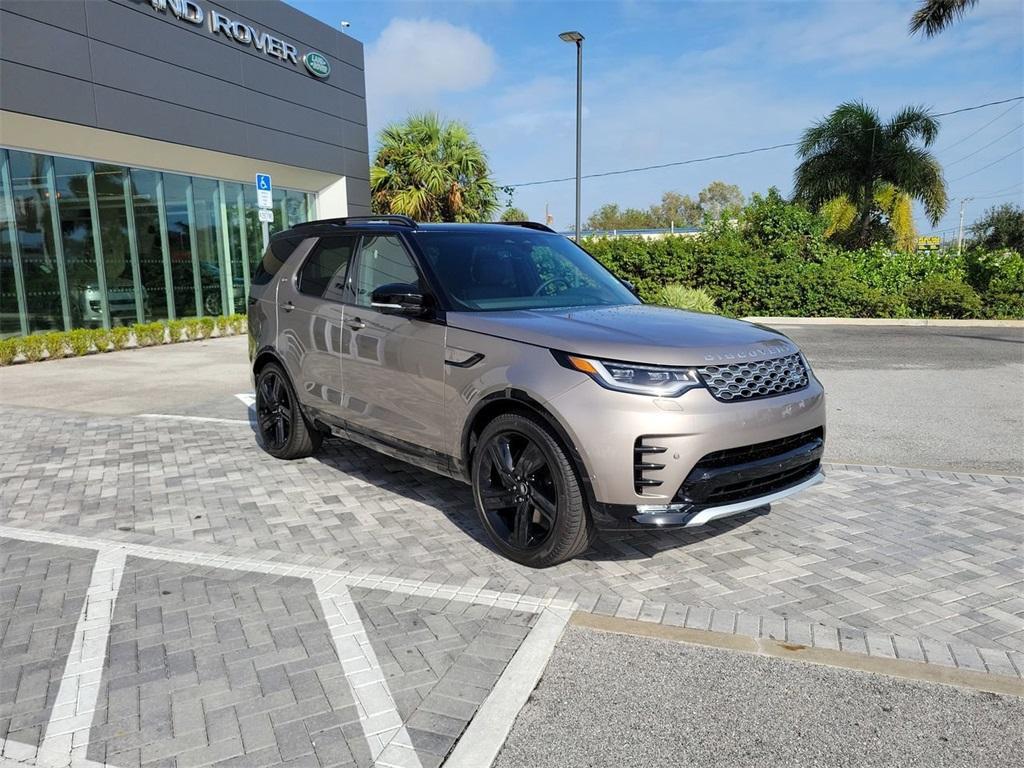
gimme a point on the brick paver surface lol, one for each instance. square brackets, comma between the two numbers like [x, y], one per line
[911, 564]
[42, 588]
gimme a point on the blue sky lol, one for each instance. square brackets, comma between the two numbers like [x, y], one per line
[668, 81]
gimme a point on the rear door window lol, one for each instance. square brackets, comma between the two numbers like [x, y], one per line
[325, 271]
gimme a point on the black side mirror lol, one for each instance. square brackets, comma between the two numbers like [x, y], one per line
[398, 299]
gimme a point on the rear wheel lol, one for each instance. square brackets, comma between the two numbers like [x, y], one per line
[282, 428]
[527, 493]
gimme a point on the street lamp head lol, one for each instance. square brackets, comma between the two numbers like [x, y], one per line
[572, 37]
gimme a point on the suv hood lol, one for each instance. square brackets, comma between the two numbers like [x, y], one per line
[635, 333]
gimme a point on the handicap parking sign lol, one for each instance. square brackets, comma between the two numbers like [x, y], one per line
[263, 182]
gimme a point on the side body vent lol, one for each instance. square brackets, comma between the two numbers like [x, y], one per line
[645, 457]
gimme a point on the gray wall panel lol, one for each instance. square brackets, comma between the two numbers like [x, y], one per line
[357, 165]
[358, 192]
[46, 94]
[150, 74]
[33, 43]
[66, 14]
[134, 73]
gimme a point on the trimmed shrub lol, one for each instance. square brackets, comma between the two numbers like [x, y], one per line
[79, 341]
[54, 344]
[120, 336]
[942, 297]
[206, 326]
[177, 330]
[32, 347]
[102, 339]
[681, 297]
[149, 334]
[236, 323]
[8, 350]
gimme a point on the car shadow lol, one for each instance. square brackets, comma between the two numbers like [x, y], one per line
[455, 501]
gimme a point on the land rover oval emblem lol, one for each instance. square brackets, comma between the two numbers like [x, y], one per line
[317, 64]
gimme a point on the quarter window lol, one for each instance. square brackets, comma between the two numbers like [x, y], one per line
[323, 275]
[382, 260]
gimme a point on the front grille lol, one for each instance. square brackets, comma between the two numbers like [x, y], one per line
[755, 378]
[738, 474]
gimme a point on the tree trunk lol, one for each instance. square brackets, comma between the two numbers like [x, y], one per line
[865, 228]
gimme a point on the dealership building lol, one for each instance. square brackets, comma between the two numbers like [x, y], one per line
[131, 135]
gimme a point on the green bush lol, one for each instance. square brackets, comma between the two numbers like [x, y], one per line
[237, 324]
[177, 330]
[54, 343]
[32, 347]
[79, 341]
[206, 326]
[102, 339]
[120, 336]
[942, 297]
[8, 350]
[149, 334]
[681, 297]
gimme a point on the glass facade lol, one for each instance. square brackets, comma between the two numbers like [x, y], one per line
[91, 245]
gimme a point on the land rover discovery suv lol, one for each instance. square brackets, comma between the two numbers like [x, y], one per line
[507, 357]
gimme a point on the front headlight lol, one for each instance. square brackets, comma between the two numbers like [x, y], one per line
[654, 380]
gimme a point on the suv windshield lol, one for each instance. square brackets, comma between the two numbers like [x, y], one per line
[518, 269]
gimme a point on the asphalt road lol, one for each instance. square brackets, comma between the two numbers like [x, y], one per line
[621, 701]
[938, 398]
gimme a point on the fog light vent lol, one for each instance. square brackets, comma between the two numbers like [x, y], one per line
[644, 455]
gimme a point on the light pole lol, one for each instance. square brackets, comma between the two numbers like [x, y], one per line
[960, 235]
[577, 38]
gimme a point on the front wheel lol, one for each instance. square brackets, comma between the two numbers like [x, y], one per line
[527, 493]
[282, 428]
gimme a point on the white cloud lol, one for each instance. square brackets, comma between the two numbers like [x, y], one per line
[413, 62]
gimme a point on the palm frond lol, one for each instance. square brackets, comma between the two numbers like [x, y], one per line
[933, 16]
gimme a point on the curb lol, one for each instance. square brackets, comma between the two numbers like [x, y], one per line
[884, 321]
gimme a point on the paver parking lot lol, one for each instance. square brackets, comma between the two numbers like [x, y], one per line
[171, 594]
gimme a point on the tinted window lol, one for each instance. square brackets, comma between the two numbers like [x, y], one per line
[323, 274]
[518, 269]
[382, 260]
[274, 257]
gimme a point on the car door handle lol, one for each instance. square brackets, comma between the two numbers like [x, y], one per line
[356, 324]
[288, 306]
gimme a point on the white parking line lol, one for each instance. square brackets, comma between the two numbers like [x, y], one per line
[487, 731]
[378, 715]
[67, 732]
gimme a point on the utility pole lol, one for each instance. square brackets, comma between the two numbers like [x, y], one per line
[960, 236]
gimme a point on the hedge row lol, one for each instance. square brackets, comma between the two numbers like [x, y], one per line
[84, 341]
[775, 261]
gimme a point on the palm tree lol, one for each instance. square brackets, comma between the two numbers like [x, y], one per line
[432, 170]
[894, 206]
[851, 153]
[933, 16]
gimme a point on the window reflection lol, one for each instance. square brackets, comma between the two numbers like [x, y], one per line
[146, 211]
[180, 242]
[188, 251]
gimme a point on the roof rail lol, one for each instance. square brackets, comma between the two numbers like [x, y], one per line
[402, 221]
[528, 225]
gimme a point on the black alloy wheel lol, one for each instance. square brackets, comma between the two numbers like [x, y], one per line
[282, 427]
[527, 494]
[518, 490]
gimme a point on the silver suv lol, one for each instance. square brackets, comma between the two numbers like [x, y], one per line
[505, 356]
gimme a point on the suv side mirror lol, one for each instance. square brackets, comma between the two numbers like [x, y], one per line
[398, 299]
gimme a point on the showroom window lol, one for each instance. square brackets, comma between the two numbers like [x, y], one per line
[95, 245]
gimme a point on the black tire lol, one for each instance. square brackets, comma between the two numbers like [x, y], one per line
[282, 428]
[539, 519]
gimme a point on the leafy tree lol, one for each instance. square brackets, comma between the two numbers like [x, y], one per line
[852, 153]
[718, 197]
[432, 170]
[610, 216]
[514, 214]
[1000, 227]
[896, 227]
[933, 16]
[676, 210]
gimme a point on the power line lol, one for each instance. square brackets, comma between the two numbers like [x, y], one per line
[979, 130]
[727, 155]
[997, 160]
[979, 149]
